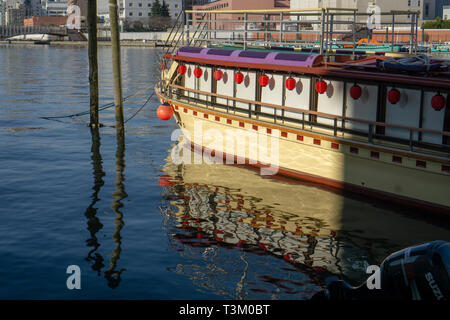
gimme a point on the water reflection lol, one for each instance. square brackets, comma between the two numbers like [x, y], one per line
[93, 222]
[249, 237]
[112, 274]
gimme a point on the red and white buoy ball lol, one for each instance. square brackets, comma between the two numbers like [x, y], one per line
[238, 78]
[321, 87]
[356, 92]
[394, 96]
[263, 80]
[198, 72]
[164, 112]
[218, 75]
[182, 69]
[291, 83]
[438, 102]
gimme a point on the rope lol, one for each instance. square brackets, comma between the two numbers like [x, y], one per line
[142, 107]
[106, 106]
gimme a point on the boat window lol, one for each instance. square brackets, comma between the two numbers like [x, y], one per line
[253, 54]
[220, 52]
[190, 49]
[291, 57]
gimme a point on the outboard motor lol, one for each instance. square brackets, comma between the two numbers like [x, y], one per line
[421, 272]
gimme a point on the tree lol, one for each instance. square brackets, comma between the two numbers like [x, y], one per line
[436, 24]
[165, 9]
[156, 8]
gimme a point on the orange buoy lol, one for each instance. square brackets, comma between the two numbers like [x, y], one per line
[438, 102]
[321, 86]
[218, 75]
[356, 92]
[238, 77]
[164, 112]
[291, 83]
[263, 80]
[394, 96]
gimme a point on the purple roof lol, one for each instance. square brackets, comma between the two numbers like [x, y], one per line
[264, 57]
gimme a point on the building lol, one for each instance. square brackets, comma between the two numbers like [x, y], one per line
[45, 21]
[14, 12]
[433, 8]
[243, 5]
[54, 7]
[446, 12]
[2, 14]
[102, 7]
[361, 6]
[238, 5]
[33, 7]
[140, 9]
[188, 4]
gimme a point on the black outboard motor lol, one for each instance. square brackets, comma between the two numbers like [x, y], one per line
[417, 273]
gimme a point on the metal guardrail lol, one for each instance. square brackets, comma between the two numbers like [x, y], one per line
[11, 31]
[279, 27]
[307, 117]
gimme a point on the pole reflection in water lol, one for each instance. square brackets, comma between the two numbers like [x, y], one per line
[248, 237]
[94, 225]
[93, 222]
[112, 275]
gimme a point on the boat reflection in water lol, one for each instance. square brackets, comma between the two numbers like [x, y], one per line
[247, 237]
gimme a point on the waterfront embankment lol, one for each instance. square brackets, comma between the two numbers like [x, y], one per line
[85, 43]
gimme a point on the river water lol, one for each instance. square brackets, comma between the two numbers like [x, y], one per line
[139, 226]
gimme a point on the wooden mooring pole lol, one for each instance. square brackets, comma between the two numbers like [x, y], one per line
[115, 45]
[93, 63]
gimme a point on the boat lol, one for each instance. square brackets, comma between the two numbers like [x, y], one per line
[440, 48]
[373, 124]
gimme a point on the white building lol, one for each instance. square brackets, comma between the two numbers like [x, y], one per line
[139, 9]
[361, 5]
[446, 12]
[54, 7]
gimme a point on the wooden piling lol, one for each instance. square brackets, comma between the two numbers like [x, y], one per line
[93, 63]
[115, 45]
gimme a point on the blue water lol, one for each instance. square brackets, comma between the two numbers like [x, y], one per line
[65, 203]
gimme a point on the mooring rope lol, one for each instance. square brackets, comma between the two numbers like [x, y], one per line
[106, 106]
[140, 109]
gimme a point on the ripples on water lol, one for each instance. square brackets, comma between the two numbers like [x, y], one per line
[140, 226]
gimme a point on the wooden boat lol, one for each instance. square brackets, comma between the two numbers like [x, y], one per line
[347, 121]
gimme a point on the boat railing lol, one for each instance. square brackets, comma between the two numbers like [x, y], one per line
[319, 28]
[311, 119]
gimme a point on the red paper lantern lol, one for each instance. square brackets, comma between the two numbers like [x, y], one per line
[321, 86]
[291, 83]
[438, 102]
[356, 92]
[198, 72]
[394, 96]
[182, 69]
[164, 112]
[263, 80]
[218, 75]
[238, 78]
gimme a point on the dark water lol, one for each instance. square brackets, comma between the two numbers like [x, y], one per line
[140, 227]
